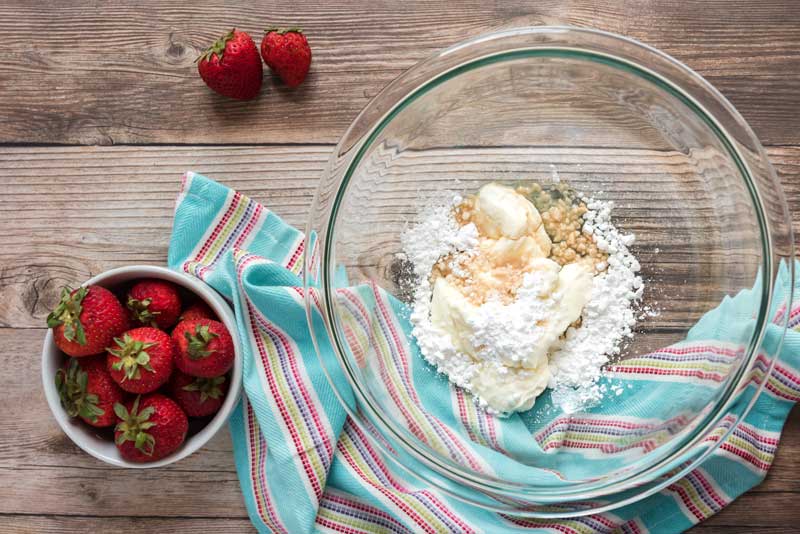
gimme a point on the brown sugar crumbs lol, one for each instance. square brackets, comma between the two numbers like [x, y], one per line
[463, 211]
[562, 215]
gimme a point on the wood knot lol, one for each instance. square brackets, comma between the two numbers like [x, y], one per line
[176, 50]
[89, 491]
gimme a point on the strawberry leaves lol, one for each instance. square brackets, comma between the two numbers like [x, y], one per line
[71, 384]
[140, 311]
[217, 48]
[133, 426]
[198, 342]
[132, 355]
[283, 31]
[68, 313]
[209, 388]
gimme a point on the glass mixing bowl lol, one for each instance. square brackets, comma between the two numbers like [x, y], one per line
[617, 120]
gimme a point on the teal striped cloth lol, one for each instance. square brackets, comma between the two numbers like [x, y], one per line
[305, 466]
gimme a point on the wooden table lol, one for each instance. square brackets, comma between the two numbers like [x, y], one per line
[101, 110]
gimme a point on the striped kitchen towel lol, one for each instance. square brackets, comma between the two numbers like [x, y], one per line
[305, 466]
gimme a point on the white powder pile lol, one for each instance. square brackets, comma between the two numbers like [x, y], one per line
[435, 236]
[507, 332]
[504, 330]
[608, 318]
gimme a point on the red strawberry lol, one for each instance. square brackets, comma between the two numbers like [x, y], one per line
[149, 428]
[231, 66]
[86, 320]
[203, 348]
[287, 53]
[198, 396]
[154, 303]
[87, 391]
[198, 310]
[141, 360]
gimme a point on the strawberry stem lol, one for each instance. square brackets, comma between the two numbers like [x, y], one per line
[217, 48]
[209, 388]
[68, 313]
[133, 426]
[71, 386]
[140, 310]
[132, 355]
[198, 342]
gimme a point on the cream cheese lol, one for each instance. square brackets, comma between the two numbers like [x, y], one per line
[508, 339]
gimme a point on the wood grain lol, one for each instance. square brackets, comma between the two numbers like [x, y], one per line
[100, 210]
[79, 211]
[112, 206]
[85, 72]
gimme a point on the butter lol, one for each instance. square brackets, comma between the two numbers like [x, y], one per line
[510, 389]
[504, 213]
[450, 312]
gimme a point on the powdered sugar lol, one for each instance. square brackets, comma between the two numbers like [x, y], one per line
[504, 332]
[435, 236]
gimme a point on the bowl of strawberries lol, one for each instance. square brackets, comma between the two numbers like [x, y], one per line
[141, 365]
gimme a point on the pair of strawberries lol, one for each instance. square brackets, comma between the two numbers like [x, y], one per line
[110, 360]
[231, 66]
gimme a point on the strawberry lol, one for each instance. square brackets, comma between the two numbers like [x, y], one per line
[203, 348]
[198, 310]
[141, 360]
[149, 428]
[198, 396]
[287, 53]
[87, 391]
[231, 66]
[154, 303]
[86, 320]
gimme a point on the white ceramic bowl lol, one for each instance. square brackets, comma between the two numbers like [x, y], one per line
[86, 437]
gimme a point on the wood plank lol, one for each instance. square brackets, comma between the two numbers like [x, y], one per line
[115, 73]
[753, 512]
[52, 524]
[79, 211]
[61, 524]
[771, 498]
[112, 206]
